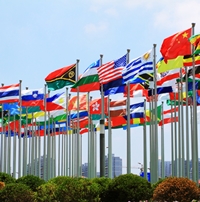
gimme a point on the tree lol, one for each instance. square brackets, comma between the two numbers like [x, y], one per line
[31, 181]
[4, 177]
[176, 189]
[16, 193]
[128, 187]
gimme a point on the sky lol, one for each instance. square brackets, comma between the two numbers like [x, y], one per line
[40, 36]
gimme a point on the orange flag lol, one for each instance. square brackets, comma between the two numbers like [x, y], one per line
[72, 105]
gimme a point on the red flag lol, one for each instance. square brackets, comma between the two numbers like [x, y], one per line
[95, 106]
[176, 45]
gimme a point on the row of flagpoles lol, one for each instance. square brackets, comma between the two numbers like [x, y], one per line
[62, 154]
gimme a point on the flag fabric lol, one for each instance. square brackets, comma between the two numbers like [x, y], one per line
[160, 90]
[9, 93]
[32, 97]
[188, 60]
[138, 66]
[176, 45]
[89, 80]
[114, 90]
[55, 102]
[171, 64]
[137, 110]
[72, 104]
[95, 106]
[167, 119]
[112, 70]
[136, 90]
[143, 78]
[13, 108]
[62, 77]
[195, 41]
[117, 108]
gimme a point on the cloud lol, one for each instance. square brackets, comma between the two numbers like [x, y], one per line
[112, 12]
[99, 28]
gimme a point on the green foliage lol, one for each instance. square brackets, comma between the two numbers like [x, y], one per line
[31, 181]
[58, 180]
[4, 177]
[46, 192]
[103, 183]
[157, 183]
[176, 189]
[128, 187]
[77, 189]
[16, 193]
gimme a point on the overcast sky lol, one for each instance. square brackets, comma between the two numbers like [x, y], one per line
[40, 36]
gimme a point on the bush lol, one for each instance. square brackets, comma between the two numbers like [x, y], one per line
[77, 189]
[103, 183]
[2, 185]
[176, 189]
[31, 181]
[154, 185]
[16, 193]
[59, 179]
[46, 192]
[4, 177]
[128, 187]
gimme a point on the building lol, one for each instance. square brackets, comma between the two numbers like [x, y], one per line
[116, 167]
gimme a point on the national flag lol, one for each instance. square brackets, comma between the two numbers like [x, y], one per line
[73, 104]
[150, 114]
[13, 108]
[62, 77]
[112, 70]
[114, 90]
[176, 45]
[190, 74]
[167, 119]
[137, 90]
[137, 110]
[116, 121]
[169, 78]
[138, 66]
[32, 97]
[9, 93]
[163, 66]
[117, 108]
[95, 106]
[55, 102]
[195, 41]
[160, 90]
[89, 80]
[143, 78]
[188, 60]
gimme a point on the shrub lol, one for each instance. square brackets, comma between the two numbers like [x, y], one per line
[59, 179]
[103, 183]
[16, 193]
[4, 177]
[2, 185]
[46, 192]
[154, 185]
[77, 189]
[128, 187]
[176, 189]
[31, 181]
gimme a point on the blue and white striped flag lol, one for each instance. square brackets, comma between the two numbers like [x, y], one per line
[138, 66]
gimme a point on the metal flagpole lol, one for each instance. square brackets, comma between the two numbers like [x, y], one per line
[172, 143]
[175, 140]
[102, 131]
[192, 142]
[110, 174]
[25, 143]
[9, 145]
[49, 148]
[36, 149]
[59, 155]
[39, 154]
[128, 134]
[89, 136]
[5, 151]
[2, 140]
[14, 150]
[162, 144]
[187, 129]
[66, 161]
[145, 142]
[150, 137]
[70, 142]
[19, 135]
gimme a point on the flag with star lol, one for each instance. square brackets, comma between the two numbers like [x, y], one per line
[176, 45]
[62, 77]
[95, 106]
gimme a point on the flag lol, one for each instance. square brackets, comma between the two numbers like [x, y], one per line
[117, 108]
[138, 66]
[12, 107]
[195, 41]
[176, 45]
[160, 90]
[9, 93]
[143, 78]
[72, 104]
[175, 63]
[188, 60]
[167, 119]
[136, 90]
[55, 102]
[114, 90]
[190, 74]
[89, 80]
[32, 97]
[62, 77]
[137, 110]
[111, 70]
[95, 106]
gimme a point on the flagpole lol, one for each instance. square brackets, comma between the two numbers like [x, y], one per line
[155, 121]
[25, 143]
[145, 142]
[187, 129]
[162, 143]
[102, 131]
[150, 137]
[70, 141]
[36, 149]
[89, 137]
[14, 150]
[45, 137]
[191, 127]
[109, 142]
[19, 135]
[59, 155]
[128, 134]
[175, 139]
[2, 139]
[172, 143]
[66, 162]
[39, 158]
[9, 144]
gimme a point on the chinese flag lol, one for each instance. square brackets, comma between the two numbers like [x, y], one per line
[176, 45]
